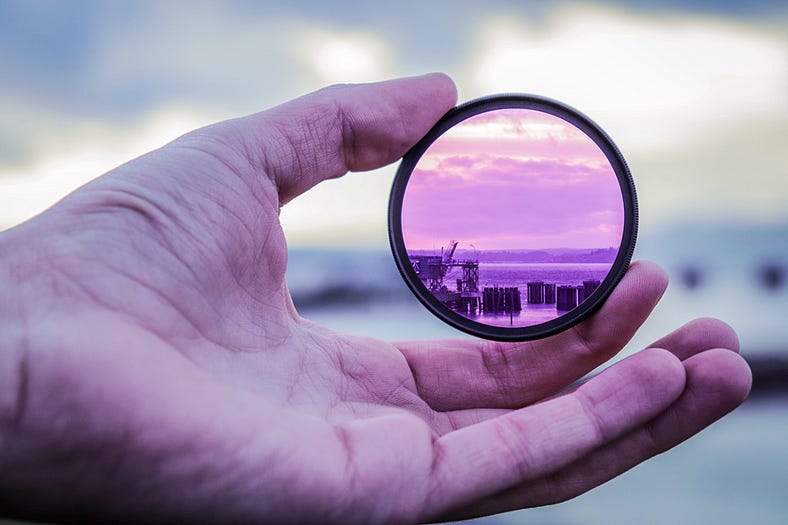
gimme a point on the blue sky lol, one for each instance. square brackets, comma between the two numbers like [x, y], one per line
[693, 92]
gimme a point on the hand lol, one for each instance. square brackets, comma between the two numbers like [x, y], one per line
[153, 367]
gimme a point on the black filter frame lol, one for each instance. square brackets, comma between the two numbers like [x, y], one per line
[591, 303]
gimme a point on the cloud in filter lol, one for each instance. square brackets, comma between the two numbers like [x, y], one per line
[557, 192]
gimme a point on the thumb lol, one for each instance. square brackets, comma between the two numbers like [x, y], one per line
[342, 128]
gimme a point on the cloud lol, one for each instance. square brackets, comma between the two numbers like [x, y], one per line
[655, 82]
[460, 161]
[695, 101]
[135, 80]
[509, 203]
[77, 152]
[104, 67]
[344, 56]
[737, 179]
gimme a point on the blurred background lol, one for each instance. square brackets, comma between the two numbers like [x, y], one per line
[695, 94]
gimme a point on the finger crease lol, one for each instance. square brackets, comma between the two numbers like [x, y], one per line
[589, 410]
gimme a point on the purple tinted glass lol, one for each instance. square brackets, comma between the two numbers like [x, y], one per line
[512, 217]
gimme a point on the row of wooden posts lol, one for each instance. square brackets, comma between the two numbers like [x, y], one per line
[565, 297]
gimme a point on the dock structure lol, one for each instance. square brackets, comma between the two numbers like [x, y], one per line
[589, 287]
[540, 292]
[549, 293]
[432, 270]
[581, 293]
[466, 297]
[468, 303]
[497, 299]
[566, 298]
[536, 292]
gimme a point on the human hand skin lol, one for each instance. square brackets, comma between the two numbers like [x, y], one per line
[153, 368]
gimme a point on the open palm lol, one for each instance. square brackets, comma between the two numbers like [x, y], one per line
[154, 368]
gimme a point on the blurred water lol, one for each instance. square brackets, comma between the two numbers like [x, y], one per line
[517, 274]
[740, 276]
[734, 472]
[724, 272]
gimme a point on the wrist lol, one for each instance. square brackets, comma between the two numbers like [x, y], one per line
[22, 298]
[13, 329]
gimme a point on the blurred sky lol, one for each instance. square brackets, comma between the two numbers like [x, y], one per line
[695, 93]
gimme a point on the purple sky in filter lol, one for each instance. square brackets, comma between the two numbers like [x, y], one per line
[513, 179]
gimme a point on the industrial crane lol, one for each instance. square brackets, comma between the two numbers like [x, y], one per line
[432, 269]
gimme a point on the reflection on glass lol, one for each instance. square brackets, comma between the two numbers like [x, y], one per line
[512, 217]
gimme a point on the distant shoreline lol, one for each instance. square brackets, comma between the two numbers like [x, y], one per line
[548, 255]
